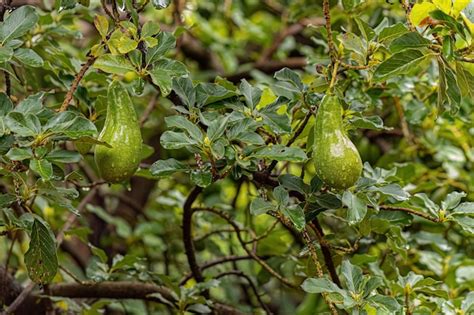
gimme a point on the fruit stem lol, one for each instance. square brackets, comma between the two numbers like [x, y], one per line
[334, 75]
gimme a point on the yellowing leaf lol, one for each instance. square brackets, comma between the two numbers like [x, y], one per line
[421, 11]
[443, 5]
[458, 6]
[102, 25]
[469, 24]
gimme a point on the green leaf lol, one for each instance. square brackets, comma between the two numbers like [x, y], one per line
[290, 76]
[452, 200]
[425, 202]
[161, 4]
[40, 259]
[370, 122]
[166, 41]
[352, 275]
[296, 215]
[113, 64]
[163, 72]
[6, 54]
[281, 196]
[29, 57]
[164, 168]
[260, 206]
[251, 94]
[320, 285]
[465, 222]
[328, 201]
[217, 127]
[18, 23]
[281, 153]
[185, 125]
[386, 303]
[468, 304]
[202, 178]
[208, 93]
[43, 168]
[19, 154]
[99, 252]
[465, 80]
[31, 104]
[392, 31]
[185, 90]
[6, 104]
[449, 93]
[176, 140]
[350, 4]
[400, 63]
[464, 208]
[410, 40]
[293, 183]
[279, 124]
[70, 125]
[391, 190]
[66, 4]
[23, 125]
[6, 200]
[63, 156]
[367, 32]
[356, 207]
[150, 28]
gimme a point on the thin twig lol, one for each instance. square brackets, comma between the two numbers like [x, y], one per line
[239, 273]
[216, 262]
[325, 249]
[403, 122]
[264, 234]
[90, 60]
[20, 298]
[249, 252]
[149, 109]
[406, 6]
[411, 211]
[295, 136]
[319, 269]
[73, 217]
[327, 17]
[219, 231]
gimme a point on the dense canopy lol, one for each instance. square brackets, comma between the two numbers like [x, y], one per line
[237, 157]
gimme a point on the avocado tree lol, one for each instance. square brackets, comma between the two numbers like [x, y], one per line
[237, 157]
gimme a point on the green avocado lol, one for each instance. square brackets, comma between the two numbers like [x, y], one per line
[338, 163]
[122, 132]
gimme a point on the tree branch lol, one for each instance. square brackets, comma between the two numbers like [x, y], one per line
[90, 60]
[187, 234]
[319, 270]
[327, 17]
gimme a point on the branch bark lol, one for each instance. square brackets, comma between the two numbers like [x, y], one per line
[90, 60]
[187, 234]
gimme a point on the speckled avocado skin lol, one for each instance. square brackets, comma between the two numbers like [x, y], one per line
[121, 131]
[338, 163]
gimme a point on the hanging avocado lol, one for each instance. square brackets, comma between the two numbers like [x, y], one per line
[122, 132]
[336, 158]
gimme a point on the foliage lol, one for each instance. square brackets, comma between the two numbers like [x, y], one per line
[226, 213]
